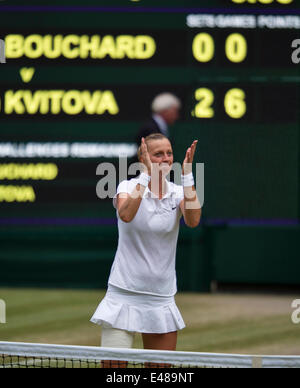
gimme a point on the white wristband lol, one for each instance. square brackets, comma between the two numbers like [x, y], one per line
[144, 179]
[187, 180]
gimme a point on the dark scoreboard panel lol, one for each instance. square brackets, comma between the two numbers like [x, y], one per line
[79, 79]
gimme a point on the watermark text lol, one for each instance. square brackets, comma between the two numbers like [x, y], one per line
[296, 52]
[2, 51]
[296, 312]
[2, 311]
[107, 185]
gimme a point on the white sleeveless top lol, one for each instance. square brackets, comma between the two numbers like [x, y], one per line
[146, 253]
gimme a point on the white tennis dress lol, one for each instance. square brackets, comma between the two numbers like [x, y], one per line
[142, 282]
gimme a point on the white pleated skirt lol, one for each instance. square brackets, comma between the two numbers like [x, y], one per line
[139, 313]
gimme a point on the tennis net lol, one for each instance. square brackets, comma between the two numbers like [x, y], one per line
[24, 355]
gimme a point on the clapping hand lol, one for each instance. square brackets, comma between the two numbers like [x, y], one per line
[145, 158]
[187, 166]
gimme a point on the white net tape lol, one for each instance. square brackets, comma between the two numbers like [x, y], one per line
[140, 356]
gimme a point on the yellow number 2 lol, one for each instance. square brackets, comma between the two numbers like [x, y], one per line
[206, 98]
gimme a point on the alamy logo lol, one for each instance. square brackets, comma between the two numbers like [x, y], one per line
[2, 51]
[296, 312]
[2, 311]
[296, 52]
[107, 185]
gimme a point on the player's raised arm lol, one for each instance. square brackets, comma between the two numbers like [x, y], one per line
[190, 205]
[128, 204]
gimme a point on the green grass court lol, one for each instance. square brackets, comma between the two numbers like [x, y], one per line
[219, 323]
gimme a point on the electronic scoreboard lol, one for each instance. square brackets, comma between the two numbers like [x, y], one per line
[77, 80]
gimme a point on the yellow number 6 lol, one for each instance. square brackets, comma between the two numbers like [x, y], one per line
[235, 104]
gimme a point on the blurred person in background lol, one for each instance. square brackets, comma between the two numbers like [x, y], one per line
[165, 112]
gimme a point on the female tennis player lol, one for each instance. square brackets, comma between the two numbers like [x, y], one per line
[142, 282]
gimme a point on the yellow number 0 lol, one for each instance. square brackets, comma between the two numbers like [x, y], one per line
[236, 48]
[235, 105]
[203, 47]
